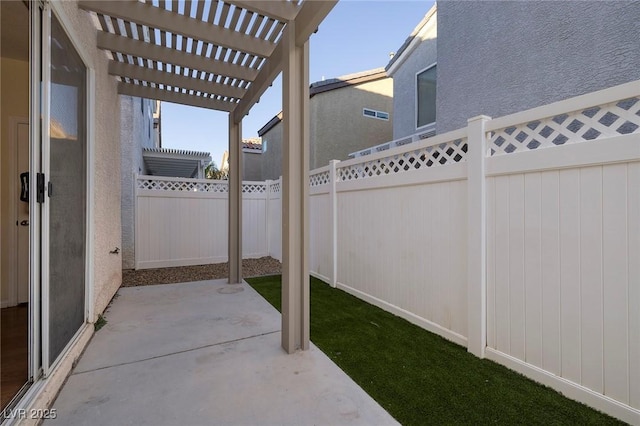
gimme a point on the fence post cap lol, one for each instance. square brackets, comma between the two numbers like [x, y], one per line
[479, 118]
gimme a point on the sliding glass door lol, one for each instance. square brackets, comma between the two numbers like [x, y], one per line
[65, 223]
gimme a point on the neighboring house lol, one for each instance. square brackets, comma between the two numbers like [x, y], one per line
[251, 159]
[346, 114]
[413, 69]
[497, 58]
[271, 134]
[142, 154]
[224, 163]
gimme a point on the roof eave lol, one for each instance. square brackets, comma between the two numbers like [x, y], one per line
[347, 83]
[412, 42]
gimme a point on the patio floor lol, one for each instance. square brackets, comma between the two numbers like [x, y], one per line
[205, 353]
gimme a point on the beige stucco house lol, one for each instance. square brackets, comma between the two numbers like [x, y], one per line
[347, 114]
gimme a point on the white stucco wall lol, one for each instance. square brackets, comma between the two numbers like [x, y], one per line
[136, 132]
[105, 167]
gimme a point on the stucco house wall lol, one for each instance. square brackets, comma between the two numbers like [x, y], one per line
[422, 56]
[272, 156]
[136, 132]
[105, 167]
[338, 126]
[496, 58]
[251, 165]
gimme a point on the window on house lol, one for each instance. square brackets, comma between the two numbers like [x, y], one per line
[264, 145]
[368, 112]
[426, 96]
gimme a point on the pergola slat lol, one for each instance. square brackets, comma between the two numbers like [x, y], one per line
[173, 22]
[279, 10]
[268, 73]
[224, 14]
[245, 21]
[166, 55]
[200, 10]
[310, 16]
[175, 97]
[147, 74]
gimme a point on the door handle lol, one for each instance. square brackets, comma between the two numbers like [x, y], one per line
[24, 223]
[24, 187]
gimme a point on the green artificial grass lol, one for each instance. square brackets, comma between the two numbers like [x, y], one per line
[419, 377]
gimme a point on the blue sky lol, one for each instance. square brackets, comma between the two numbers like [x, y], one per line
[356, 36]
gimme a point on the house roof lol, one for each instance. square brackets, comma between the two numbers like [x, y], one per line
[346, 80]
[173, 162]
[232, 49]
[332, 84]
[270, 125]
[412, 41]
[252, 144]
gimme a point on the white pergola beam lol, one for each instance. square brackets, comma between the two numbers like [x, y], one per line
[310, 15]
[170, 79]
[268, 73]
[127, 46]
[175, 97]
[280, 10]
[295, 193]
[159, 18]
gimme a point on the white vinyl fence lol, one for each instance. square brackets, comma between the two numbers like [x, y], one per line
[183, 222]
[516, 237]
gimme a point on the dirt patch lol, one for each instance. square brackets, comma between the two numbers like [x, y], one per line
[181, 274]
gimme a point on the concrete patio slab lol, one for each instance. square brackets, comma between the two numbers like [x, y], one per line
[157, 320]
[227, 370]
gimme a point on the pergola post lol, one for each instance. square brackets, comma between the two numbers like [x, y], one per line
[295, 192]
[235, 200]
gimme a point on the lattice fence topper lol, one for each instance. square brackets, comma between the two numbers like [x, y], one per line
[276, 187]
[254, 188]
[318, 179]
[170, 185]
[613, 119]
[430, 156]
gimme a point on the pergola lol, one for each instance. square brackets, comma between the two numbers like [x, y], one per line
[223, 55]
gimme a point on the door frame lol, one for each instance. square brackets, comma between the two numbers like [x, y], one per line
[35, 143]
[53, 9]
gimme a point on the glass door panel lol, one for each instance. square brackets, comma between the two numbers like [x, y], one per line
[66, 191]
